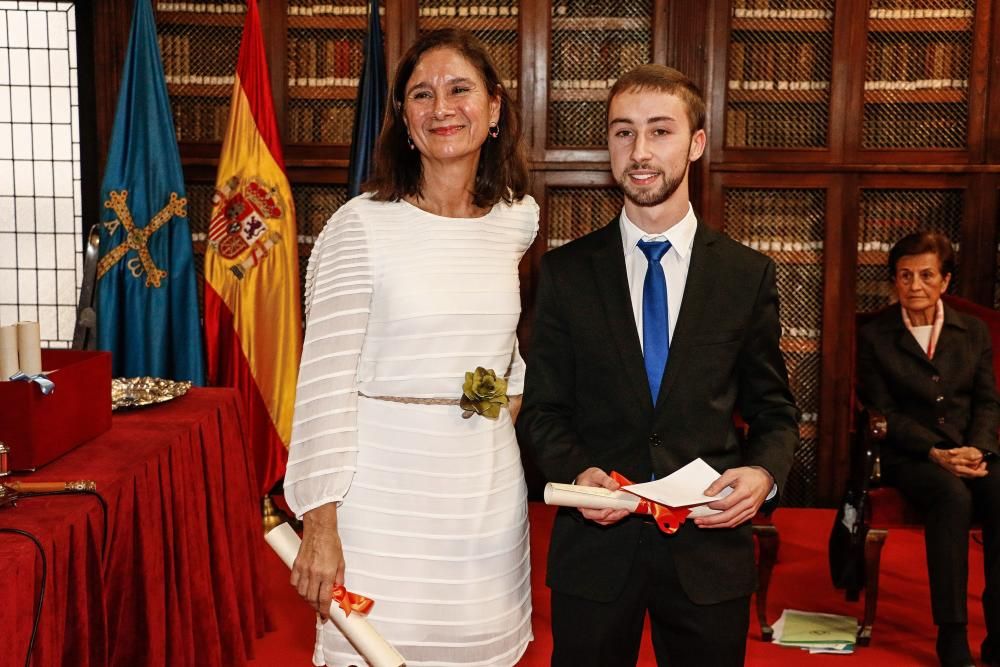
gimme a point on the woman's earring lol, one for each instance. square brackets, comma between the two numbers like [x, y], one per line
[494, 130]
[409, 142]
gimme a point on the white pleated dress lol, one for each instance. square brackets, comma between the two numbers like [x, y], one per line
[433, 507]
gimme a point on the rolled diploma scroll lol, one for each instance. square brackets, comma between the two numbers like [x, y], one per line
[589, 497]
[29, 347]
[356, 628]
[8, 352]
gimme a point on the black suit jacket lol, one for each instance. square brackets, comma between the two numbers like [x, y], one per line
[587, 402]
[948, 401]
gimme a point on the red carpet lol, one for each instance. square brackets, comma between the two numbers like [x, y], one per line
[903, 634]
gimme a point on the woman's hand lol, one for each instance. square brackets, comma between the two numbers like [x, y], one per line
[961, 461]
[319, 565]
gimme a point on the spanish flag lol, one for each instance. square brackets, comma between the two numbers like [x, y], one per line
[253, 326]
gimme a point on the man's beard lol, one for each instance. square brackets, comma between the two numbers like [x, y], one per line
[653, 197]
[647, 197]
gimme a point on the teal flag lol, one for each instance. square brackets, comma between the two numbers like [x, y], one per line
[147, 305]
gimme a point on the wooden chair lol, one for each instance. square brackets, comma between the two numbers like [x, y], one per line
[766, 538]
[766, 535]
[886, 508]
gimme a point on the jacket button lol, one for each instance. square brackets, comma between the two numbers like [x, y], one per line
[654, 440]
[940, 420]
[935, 378]
[939, 398]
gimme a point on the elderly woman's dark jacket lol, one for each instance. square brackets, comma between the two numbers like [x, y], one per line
[948, 401]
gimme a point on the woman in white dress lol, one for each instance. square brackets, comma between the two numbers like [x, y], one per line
[409, 287]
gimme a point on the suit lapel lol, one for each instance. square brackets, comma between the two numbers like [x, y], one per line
[612, 282]
[701, 277]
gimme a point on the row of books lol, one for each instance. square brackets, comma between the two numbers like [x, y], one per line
[577, 124]
[920, 84]
[603, 9]
[778, 244]
[780, 60]
[325, 82]
[200, 79]
[329, 124]
[211, 57]
[820, 5]
[742, 13]
[901, 60]
[331, 9]
[572, 215]
[779, 85]
[931, 13]
[202, 7]
[916, 130]
[785, 126]
[889, 214]
[582, 84]
[313, 207]
[311, 56]
[576, 59]
[464, 10]
[200, 120]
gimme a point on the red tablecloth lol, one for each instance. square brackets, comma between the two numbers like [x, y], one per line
[180, 581]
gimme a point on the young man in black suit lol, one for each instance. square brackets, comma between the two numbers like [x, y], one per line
[650, 335]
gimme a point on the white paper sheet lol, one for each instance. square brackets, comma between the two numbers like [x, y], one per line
[682, 488]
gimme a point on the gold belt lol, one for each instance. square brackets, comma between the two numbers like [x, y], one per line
[413, 400]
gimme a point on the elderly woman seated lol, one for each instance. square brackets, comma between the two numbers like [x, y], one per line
[929, 369]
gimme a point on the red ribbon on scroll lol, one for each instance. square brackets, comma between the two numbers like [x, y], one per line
[349, 601]
[669, 519]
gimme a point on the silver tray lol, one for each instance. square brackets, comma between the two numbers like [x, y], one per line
[137, 392]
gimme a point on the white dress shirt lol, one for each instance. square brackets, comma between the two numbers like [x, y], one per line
[675, 264]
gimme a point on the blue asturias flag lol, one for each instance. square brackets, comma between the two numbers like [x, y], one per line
[370, 106]
[147, 306]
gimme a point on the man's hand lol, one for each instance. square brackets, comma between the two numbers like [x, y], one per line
[319, 564]
[750, 484]
[962, 461]
[597, 477]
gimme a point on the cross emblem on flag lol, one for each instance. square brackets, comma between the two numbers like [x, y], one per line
[135, 238]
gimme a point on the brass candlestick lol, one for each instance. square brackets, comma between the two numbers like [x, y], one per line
[7, 496]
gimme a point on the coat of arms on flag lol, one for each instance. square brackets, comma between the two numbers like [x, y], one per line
[242, 209]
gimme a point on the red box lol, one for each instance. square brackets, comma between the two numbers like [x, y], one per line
[38, 428]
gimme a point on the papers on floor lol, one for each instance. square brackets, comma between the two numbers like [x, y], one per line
[683, 488]
[816, 632]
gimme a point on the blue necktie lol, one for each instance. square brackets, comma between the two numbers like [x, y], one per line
[655, 327]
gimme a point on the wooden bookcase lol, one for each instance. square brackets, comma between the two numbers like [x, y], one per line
[871, 114]
[834, 127]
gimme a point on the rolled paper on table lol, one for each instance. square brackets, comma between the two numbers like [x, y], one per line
[589, 497]
[8, 352]
[355, 627]
[29, 347]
